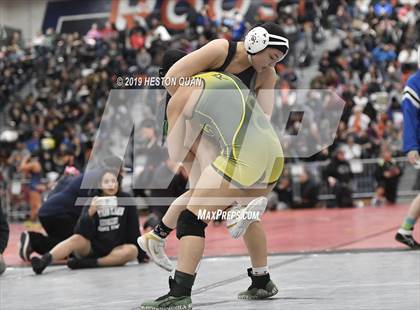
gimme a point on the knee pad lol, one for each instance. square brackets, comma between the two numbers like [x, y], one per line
[189, 225]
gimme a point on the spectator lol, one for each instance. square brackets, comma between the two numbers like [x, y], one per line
[137, 40]
[388, 173]
[383, 53]
[31, 166]
[152, 153]
[339, 176]
[94, 33]
[284, 192]
[359, 121]
[383, 8]
[309, 191]
[106, 233]
[4, 238]
[158, 32]
[109, 32]
[144, 60]
[351, 149]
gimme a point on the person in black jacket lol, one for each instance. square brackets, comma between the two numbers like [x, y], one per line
[4, 238]
[339, 176]
[309, 191]
[387, 175]
[105, 234]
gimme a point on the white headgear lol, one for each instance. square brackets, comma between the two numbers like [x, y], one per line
[258, 39]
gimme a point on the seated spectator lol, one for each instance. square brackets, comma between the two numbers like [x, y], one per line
[339, 176]
[283, 191]
[309, 191]
[4, 238]
[59, 213]
[388, 173]
[106, 233]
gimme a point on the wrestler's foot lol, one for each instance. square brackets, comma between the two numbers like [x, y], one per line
[154, 246]
[261, 288]
[407, 239]
[169, 301]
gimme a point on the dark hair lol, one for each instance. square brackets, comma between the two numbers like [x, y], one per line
[99, 191]
[169, 59]
[275, 29]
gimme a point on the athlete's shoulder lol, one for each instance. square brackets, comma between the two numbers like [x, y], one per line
[218, 45]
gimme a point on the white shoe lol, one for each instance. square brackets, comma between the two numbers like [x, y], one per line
[154, 246]
[238, 225]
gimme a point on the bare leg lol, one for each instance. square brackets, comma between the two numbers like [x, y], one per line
[75, 243]
[256, 243]
[194, 167]
[405, 233]
[119, 256]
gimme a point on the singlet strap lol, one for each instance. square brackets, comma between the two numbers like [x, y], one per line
[229, 57]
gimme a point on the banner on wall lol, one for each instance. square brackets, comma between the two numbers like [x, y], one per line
[69, 16]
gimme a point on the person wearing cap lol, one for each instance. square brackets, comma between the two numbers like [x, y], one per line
[246, 167]
[411, 111]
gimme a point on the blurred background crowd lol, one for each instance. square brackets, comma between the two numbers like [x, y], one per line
[54, 89]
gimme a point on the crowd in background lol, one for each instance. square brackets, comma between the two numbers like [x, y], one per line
[65, 80]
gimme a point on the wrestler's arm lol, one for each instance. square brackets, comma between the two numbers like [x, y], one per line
[265, 90]
[208, 57]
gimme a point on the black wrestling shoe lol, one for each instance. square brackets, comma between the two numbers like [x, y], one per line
[82, 263]
[38, 264]
[408, 240]
[25, 249]
[261, 288]
[179, 298]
